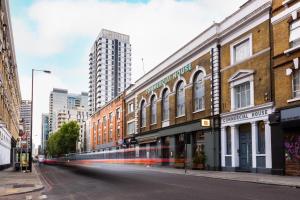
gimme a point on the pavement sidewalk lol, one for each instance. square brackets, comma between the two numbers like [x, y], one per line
[291, 181]
[12, 182]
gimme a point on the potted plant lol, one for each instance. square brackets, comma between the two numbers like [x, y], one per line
[199, 160]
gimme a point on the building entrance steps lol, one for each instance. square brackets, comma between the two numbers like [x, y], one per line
[16, 182]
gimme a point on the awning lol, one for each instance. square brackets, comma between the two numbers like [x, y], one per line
[187, 128]
[147, 140]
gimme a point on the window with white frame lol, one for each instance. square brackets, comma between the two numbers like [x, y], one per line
[241, 50]
[199, 91]
[130, 107]
[165, 105]
[130, 128]
[180, 99]
[143, 114]
[242, 89]
[295, 33]
[296, 84]
[242, 95]
[153, 109]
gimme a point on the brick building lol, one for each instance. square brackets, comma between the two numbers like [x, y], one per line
[232, 94]
[286, 52]
[10, 95]
[246, 90]
[106, 130]
[171, 103]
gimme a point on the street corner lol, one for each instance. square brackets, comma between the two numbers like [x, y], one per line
[14, 189]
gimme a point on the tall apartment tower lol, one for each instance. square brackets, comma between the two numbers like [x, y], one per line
[25, 115]
[109, 68]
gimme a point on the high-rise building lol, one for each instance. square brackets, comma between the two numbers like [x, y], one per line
[64, 107]
[10, 95]
[45, 132]
[57, 103]
[109, 68]
[25, 115]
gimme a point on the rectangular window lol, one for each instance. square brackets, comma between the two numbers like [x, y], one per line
[130, 128]
[228, 140]
[296, 84]
[118, 132]
[241, 51]
[242, 95]
[295, 33]
[118, 113]
[104, 121]
[110, 117]
[130, 107]
[261, 138]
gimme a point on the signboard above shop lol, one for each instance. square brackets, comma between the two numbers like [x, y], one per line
[290, 114]
[172, 76]
[205, 122]
[245, 116]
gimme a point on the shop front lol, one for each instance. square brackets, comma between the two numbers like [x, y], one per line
[189, 145]
[246, 140]
[290, 124]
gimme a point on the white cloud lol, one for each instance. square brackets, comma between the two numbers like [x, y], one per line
[156, 29]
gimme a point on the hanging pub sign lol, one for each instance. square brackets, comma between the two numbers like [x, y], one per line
[205, 122]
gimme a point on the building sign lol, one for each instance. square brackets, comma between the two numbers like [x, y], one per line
[205, 122]
[290, 114]
[246, 116]
[173, 76]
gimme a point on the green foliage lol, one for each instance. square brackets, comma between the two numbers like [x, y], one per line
[199, 158]
[64, 140]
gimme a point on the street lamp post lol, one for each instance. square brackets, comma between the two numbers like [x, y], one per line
[32, 79]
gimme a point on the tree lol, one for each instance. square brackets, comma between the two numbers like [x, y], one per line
[64, 140]
[69, 136]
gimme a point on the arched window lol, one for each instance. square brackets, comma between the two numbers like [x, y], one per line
[153, 109]
[180, 100]
[199, 91]
[143, 114]
[165, 105]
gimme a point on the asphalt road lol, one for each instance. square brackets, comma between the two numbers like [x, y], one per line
[115, 182]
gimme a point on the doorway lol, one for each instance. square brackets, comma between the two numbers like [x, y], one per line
[245, 147]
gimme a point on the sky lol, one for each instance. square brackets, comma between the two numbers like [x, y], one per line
[57, 35]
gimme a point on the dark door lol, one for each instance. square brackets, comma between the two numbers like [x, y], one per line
[245, 147]
[165, 148]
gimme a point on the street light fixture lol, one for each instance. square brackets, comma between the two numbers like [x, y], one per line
[32, 78]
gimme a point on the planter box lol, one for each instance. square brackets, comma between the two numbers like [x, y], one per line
[198, 166]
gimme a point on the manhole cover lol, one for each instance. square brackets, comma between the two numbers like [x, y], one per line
[23, 185]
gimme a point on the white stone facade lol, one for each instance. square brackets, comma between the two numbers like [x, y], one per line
[5, 146]
[231, 122]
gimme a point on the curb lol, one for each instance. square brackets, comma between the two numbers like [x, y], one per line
[35, 189]
[232, 179]
[16, 191]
